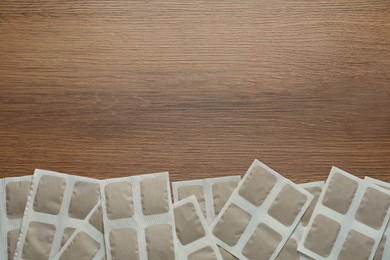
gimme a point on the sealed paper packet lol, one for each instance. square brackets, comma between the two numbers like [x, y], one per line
[87, 241]
[211, 194]
[290, 249]
[58, 203]
[195, 241]
[261, 214]
[348, 221]
[13, 198]
[383, 251]
[138, 217]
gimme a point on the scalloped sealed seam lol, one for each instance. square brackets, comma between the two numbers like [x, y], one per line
[87, 241]
[383, 251]
[348, 221]
[138, 217]
[194, 238]
[261, 214]
[211, 193]
[58, 203]
[14, 193]
[290, 249]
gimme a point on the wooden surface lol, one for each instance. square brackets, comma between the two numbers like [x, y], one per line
[197, 88]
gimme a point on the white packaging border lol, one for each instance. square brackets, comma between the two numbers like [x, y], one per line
[207, 240]
[138, 221]
[260, 215]
[60, 221]
[298, 232]
[346, 221]
[386, 251]
[7, 224]
[86, 227]
[207, 185]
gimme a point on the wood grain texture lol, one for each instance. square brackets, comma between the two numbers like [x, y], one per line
[197, 88]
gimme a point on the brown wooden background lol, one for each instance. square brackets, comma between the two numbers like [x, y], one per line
[198, 88]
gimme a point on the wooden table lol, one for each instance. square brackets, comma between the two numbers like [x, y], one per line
[198, 88]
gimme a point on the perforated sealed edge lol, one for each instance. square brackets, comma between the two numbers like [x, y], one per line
[86, 227]
[259, 214]
[347, 221]
[207, 185]
[386, 185]
[300, 229]
[138, 221]
[7, 224]
[207, 240]
[60, 221]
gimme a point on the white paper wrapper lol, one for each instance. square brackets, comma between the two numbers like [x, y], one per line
[138, 209]
[385, 254]
[57, 202]
[264, 207]
[346, 223]
[13, 195]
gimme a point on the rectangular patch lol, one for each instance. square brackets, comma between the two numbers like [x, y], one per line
[206, 253]
[96, 219]
[373, 208]
[257, 185]
[322, 235]
[188, 225]
[124, 244]
[197, 191]
[381, 248]
[221, 193]
[12, 240]
[154, 197]
[340, 193]
[119, 200]
[316, 192]
[263, 243]
[232, 225]
[83, 247]
[48, 198]
[84, 197]
[16, 195]
[68, 232]
[159, 242]
[38, 241]
[289, 251]
[226, 255]
[287, 205]
[357, 246]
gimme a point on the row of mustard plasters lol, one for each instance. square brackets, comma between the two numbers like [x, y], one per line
[262, 215]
